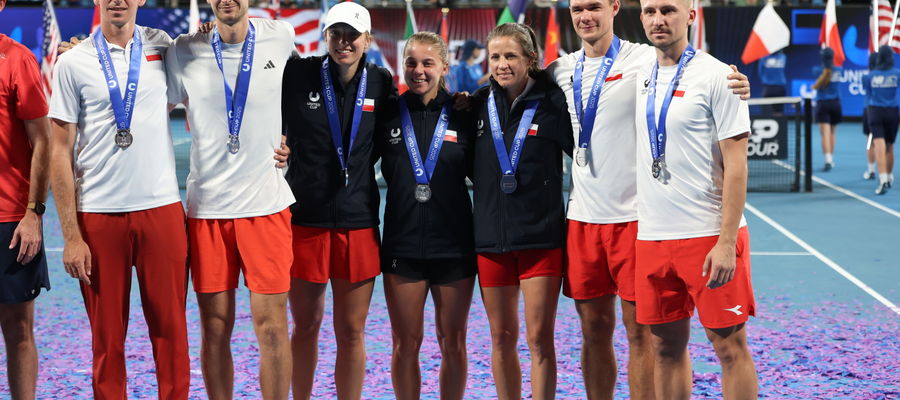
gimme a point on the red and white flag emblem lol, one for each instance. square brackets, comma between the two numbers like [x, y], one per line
[368, 105]
[533, 130]
[450, 136]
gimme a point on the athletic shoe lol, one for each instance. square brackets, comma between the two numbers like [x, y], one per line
[828, 167]
[882, 188]
[869, 175]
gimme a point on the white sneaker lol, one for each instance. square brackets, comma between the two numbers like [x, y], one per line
[869, 175]
[882, 188]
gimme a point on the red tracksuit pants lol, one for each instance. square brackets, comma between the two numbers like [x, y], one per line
[154, 241]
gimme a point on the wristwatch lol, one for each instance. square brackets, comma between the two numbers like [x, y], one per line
[37, 206]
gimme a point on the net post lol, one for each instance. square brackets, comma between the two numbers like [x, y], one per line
[807, 144]
[798, 126]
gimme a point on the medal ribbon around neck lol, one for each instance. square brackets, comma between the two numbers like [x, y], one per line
[587, 115]
[423, 171]
[334, 122]
[656, 131]
[236, 101]
[122, 107]
[509, 161]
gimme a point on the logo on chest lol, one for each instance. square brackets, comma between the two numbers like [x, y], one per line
[395, 136]
[480, 128]
[313, 103]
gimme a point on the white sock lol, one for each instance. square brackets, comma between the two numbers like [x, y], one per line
[872, 167]
[828, 158]
[891, 177]
[883, 178]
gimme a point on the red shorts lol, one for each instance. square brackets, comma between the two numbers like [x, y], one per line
[669, 283]
[507, 269]
[258, 246]
[600, 260]
[322, 253]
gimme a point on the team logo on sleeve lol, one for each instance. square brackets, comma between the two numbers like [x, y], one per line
[313, 103]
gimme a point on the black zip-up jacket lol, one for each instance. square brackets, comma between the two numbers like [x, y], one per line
[533, 216]
[314, 171]
[442, 226]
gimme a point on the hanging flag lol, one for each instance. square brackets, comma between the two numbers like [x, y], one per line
[698, 29]
[194, 17]
[95, 21]
[513, 12]
[892, 37]
[49, 45]
[551, 42]
[830, 36]
[411, 27]
[275, 6]
[880, 24]
[445, 26]
[769, 35]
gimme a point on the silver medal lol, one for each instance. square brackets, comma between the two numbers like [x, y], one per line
[581, 156]
[234, 144]
[346, 178]
[656, 168]
[124, 138]
[423, 193]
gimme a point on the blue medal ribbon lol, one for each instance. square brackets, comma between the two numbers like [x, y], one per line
[509, 161]
[656, 131]
[122, 106]
[587, 115]
[423, 171]
[236, 101]
[334, 122]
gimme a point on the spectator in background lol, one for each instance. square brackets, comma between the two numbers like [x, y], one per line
[771, 73]
[828, 104]
[467, 76]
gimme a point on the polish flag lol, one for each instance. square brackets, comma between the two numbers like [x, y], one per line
[533, 130]
[769, 35]
[450, 136]
[369, 105]
[614, 77]
[830, 35]
[698, 30]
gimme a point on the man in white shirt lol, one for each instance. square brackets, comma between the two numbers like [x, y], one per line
[238, 217]
[693, 246]
[118, 196]
[602, 209]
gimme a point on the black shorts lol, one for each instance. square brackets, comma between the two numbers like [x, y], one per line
[20, 283]
[865, 121]
[438, 271]
[829, 112]
[883, 123]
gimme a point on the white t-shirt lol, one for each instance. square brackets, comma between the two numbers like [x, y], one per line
[703, 112]
[222, 185]
[109, 179]
[604, 191]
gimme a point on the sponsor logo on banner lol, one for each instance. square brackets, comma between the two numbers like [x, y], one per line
[768, 139]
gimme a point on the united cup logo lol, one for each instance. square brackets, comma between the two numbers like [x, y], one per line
[132, 86]
[395, 132]
[444, 117]
[313, 96]
[245, 67]
[112, 84]
[419, 172]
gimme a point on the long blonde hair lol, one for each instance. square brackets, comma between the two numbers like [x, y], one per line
[432, 39]
[524, 35]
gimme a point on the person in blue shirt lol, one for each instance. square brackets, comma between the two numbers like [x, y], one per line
[771, 73]
[828, 103]
[884, 115]
[467, 76]
[871, 169]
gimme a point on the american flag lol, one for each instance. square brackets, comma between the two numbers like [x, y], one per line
[51, 43]
[880, 27]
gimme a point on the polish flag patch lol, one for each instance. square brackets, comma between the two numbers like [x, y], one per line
[533, 130]
[368, 105]
[678, 92]
[614, 77]
[153, 57]
[450, 136]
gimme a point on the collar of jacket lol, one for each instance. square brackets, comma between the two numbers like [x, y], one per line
[335, 72]
[414, 101]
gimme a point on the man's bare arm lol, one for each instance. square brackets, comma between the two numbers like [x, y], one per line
[720, 262]
[28, 234]
[76, 255]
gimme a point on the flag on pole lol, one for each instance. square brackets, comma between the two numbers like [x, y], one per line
[194, 17]
[880, 24]
[513, 12]
[769, 35]
[445, 26]
[49, 46]
[892, 37]
[95, 21]
[830, 36]
[411, 27]
[551, 42]
[698, 29]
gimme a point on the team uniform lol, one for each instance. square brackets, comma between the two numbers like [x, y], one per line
[335, 220]
[432, 239]
[520, 234]
[237, 201]
[883, 115]
[129, 210]
[680, 214]
[602, 209]
[771, 74]
[21, 99]
[828, 99]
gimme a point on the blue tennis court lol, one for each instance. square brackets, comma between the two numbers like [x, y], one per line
[826, 275]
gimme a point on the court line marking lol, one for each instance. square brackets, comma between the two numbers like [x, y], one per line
[780, 253]
[827, 261]
[841, 190]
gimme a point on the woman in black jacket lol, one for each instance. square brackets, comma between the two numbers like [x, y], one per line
[330, 106]
[426, 149]
[522, 130]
